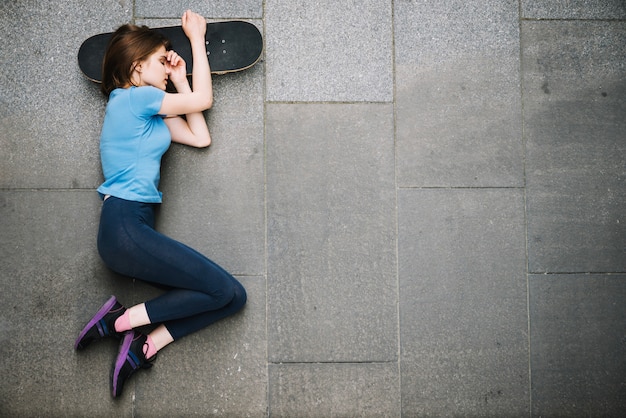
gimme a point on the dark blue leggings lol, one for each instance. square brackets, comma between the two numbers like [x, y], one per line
[199, 292]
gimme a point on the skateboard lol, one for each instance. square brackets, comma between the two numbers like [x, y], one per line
[231, 46]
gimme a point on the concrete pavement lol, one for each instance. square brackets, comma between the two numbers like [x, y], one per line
[424, 199]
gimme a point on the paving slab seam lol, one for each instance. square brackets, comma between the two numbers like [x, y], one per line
[46, 189]
[138, 17]
[396, 263]
[251, 275]
[538, 19]
[461, 187]
[576, 273]
[282, 102]
[331, 362]
[520, 65]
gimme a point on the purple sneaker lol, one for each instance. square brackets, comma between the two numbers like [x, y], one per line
[130, 358]
[101, 325]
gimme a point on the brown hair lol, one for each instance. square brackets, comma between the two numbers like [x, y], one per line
[128, 45]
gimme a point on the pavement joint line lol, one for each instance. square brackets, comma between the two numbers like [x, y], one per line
[539, 19]
[47, 189]
[331, 362]
[576, 273]
[461, 187]
[287, 102]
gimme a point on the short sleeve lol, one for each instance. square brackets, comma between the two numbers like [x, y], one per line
[146, 101]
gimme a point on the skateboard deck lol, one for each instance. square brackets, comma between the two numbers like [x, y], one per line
[231, 46]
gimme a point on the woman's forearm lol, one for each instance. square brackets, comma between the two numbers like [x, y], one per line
[201, 73]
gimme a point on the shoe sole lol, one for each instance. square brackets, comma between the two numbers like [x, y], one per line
[97, 317]
[122, 355]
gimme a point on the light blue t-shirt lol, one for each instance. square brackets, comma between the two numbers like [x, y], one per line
[133, 140]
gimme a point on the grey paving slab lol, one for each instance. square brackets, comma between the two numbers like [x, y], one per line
[214, 198]
[578, 345]
[573, 9]
[225, 9]
[463, 311]
[222, 370]
[331, 233]
[458, 112]
[574, 122]
[50, 116]
[334, 390]
[52, 283]
[329, 50]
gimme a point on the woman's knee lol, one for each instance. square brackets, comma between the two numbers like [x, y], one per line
[221, 292]
[240, 297]
[225, 290]
[235, 298]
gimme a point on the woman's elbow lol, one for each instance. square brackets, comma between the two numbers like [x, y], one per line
[199, 102]
[203, 142]
[208, 102]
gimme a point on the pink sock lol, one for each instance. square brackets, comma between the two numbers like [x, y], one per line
[123, 322]
[152, 350]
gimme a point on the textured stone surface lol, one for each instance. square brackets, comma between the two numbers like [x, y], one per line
[327, 390]
[463, 313]
[578, 345]
[381, 234]
[223, 9]
[51, 115]
[573, 9]
[331, 233]
[575, 119]
[52, 283]
[457, 94]
[329, 50]
[213, 198]
[222, 368]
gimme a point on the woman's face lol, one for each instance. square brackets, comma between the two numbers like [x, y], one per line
[154, 71]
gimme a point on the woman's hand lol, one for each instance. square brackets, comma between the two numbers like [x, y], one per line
[176, 67]
[194, 25]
